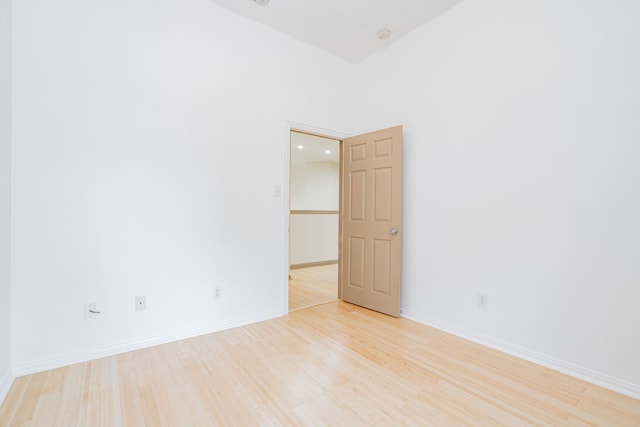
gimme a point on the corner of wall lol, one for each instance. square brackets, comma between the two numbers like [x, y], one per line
[6, 374]
[6, 381]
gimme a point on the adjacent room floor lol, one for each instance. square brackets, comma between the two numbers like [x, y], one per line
[313, 285]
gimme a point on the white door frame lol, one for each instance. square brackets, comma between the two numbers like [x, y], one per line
[288, 127]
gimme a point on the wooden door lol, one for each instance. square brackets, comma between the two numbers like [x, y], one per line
[371, 241]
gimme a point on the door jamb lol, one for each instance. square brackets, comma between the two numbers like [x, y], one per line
[300, 127]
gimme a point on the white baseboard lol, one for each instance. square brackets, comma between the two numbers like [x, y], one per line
[6, 381]
[606, 381]
[58, 361]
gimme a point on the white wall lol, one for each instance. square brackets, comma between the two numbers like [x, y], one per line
[148, 135]
[315, 186]
[521, 175]
[313, 238]
[5, 194]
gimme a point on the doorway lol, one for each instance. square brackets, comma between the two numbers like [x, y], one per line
[314, 207]
[369, 217]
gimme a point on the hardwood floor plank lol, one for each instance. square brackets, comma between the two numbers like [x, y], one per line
[332, 364]
[26, 408]
[312, 286]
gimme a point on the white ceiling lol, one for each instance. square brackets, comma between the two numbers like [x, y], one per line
[310, 149]
[344, 28]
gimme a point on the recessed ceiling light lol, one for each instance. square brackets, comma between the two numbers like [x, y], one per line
[384, 34]
[300, 147]
[327, 151]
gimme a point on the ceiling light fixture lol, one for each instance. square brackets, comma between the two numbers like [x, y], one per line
[327, 151]
[384, 34]
[300, 147]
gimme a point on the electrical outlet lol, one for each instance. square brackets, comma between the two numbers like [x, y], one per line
[217, 292]
[141, 303]
[91, 311]
[483, 301]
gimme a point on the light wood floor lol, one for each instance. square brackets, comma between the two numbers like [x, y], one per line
[333, 364]
[313, 285]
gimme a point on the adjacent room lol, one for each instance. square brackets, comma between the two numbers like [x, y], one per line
[314, 203]
[147, 210]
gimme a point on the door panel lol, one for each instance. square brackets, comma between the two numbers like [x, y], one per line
[356, 254]
[382, 194]
[381, 273]
[357, 182]
[372, 207]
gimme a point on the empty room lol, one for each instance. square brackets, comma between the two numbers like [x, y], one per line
[487, 213]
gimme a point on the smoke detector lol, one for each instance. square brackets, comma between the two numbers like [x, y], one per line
[262, 3]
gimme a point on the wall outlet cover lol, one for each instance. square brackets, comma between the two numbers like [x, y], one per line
[91, 311]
